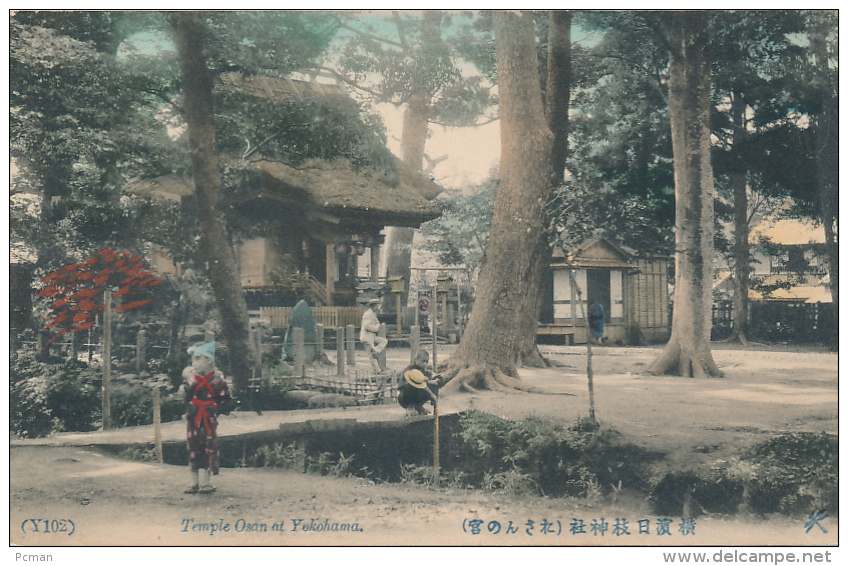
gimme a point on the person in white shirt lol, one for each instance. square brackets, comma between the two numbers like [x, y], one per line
[368, 334]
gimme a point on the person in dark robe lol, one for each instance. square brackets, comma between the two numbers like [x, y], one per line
[206, 396]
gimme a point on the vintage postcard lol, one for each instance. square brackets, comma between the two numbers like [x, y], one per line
[429, 278]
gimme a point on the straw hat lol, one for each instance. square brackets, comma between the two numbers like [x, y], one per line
[415, 378]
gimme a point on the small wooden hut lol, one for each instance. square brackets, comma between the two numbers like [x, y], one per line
[632, 289]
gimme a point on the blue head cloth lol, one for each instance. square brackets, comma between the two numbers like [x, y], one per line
[203, 349]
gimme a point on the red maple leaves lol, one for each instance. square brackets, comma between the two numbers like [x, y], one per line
[78, 289]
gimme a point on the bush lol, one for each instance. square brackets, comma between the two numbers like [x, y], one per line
[29, 416]
[796, 473]
[296, 457]
[47, 398]
[715, 493]
[793, 474]
[550, 459]
[132, 405]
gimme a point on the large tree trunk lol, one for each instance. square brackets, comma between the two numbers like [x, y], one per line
[509, 287]
[557, 99]
[688, 350]
[739, 183]
[214, 238]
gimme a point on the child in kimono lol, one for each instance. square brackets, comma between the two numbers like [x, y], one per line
[206, 395]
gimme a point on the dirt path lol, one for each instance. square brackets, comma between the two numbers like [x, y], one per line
[695, 422]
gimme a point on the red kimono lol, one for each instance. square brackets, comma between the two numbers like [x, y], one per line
[204, 396]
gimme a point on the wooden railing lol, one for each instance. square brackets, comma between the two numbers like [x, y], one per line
[330, 317]
[317, 290]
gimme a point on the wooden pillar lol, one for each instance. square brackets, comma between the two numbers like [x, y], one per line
[106, 409]
[157, 425]
[340, 350]
[140, 343]
[319, 341]
[375, 263]
[414, 341]
[351, 344]
[381, 357]
[398, 312]
[330, 281]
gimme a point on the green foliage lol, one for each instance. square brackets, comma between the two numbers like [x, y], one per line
[272, 43]
[426, 475]
[520, 455]
[460, 232]
[28, 415]
[296, 457]
[132, 405]
[47, 398]
[714, 493]
[138, 454]
[301, 129]
[794, 473]
[392, 57]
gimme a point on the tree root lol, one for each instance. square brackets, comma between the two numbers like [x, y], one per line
[674, 360]
[473, 378]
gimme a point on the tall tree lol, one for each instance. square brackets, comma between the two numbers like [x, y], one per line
[416, 119]
[417, 69]
[215, 241]
[688, 350]
[752, 60]
[824, 42]
[509, 286]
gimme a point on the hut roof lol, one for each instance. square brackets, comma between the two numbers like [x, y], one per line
[172, 187]
[334, 187]
[273, 88]
[338, 188]
[593, 254]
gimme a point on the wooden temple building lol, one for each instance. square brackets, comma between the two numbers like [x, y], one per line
[326, 217]
[631, 288]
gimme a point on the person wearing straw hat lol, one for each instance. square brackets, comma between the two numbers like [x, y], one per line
[373, 343]
[206, 395]
[415, 388]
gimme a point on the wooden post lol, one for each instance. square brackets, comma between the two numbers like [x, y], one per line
[414, 341]
[340, 351]
[351, 345]
[299, 354]
[330, 279]
[436, 442]
[433, 329]
[256, 336]
[398, 315]
[459, 308]
[445, 313]
[157, 425]
[381, 357]
[319, 341]
[140, 343]
[106, 412]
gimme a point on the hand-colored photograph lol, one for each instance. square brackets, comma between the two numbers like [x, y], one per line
[425, 278]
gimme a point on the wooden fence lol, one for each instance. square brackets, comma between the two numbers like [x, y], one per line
[780, 322]
[330, 317]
